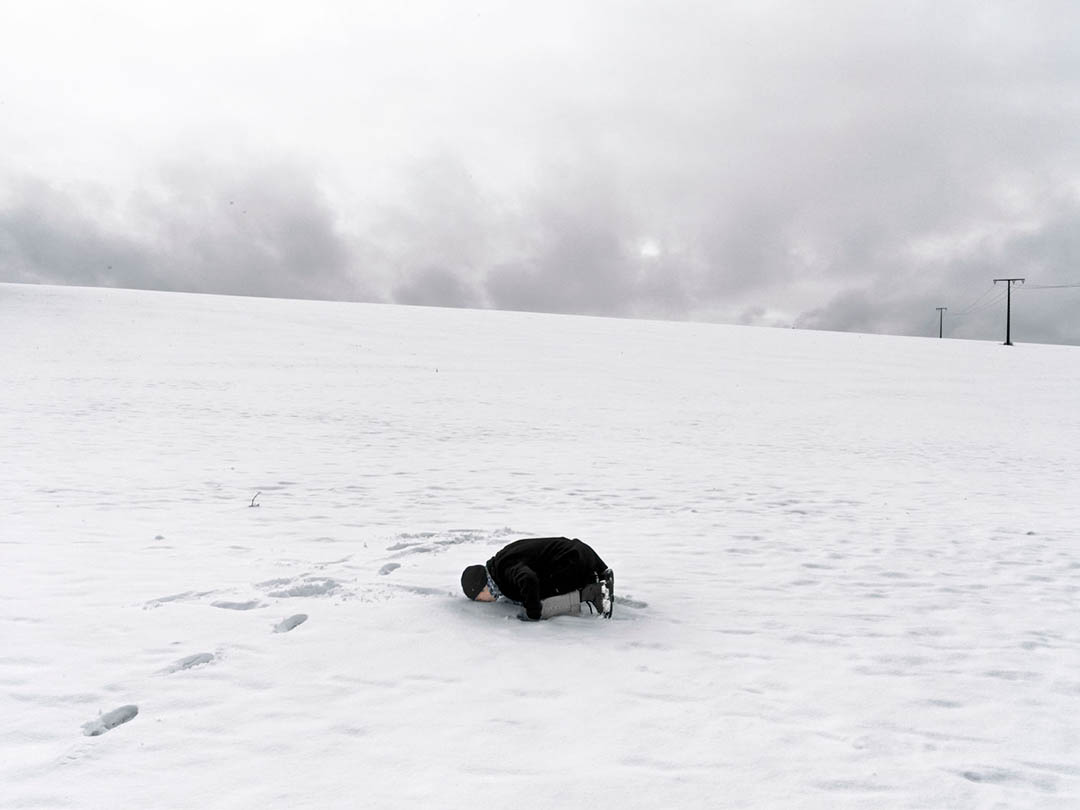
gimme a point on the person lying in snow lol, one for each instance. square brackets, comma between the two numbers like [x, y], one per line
[550, 576]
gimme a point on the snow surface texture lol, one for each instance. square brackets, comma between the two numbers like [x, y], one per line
[848, 566]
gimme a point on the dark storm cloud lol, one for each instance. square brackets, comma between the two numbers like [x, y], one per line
[573, 254]
[48, 236]
[434, 242]
[265, 232]
[435, 287]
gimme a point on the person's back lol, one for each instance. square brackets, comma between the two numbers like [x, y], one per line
[540, 567]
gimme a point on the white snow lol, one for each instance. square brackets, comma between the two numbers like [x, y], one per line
[848, 566]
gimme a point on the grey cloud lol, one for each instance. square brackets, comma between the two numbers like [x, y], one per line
[583, 251]
[571, 244]
[436, 236]
[574, 261]
[859, 310]
[435, 287]
[265, 232]
[904, 294]
[47, 236]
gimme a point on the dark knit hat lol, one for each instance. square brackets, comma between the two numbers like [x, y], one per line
[473, 580]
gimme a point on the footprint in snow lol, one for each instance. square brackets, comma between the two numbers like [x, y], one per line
[307, 586]
[254, 603]
[187, 663]
[285, 625]
[110, 720]
[176, 597]
[389, 567]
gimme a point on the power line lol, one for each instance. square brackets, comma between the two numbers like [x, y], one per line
[988, 305]
[1047, 286]
[993, 302]
[970, 307]
[979, 305]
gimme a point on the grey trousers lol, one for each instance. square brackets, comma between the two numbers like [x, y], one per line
[565, 604]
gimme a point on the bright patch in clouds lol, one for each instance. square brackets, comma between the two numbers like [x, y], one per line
[649, 248]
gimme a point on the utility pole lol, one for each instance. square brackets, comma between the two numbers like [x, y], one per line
[1008, 306]
[941, 319]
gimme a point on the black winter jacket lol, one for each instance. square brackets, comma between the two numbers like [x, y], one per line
[529, 570]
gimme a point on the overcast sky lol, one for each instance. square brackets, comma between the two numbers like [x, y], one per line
[832, 165]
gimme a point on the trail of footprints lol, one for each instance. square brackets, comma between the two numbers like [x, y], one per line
[313, 586]
[306, 585]
[280, 588]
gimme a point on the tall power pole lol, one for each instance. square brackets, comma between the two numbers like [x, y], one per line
[1008, 306]
[941, 319]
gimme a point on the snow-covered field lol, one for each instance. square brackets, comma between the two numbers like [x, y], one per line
[848, 566]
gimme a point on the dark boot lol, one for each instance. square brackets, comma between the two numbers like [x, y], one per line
[601, 595]
[593, 596]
